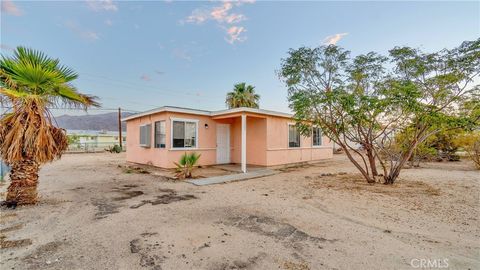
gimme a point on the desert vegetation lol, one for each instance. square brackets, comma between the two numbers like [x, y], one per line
[186, 165]
[31, 84]
[390, 105]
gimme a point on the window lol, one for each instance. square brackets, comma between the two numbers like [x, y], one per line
[316, 136]
[293, 136]
[184, 134]
[160, 134]
[145, 132]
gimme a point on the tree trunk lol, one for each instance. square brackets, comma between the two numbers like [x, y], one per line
[23, 183]
[371, 160]
[362, 171]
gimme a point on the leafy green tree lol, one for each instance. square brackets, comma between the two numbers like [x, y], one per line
[31, 83]
[73, 139]
[328, 90]
[243, 95]
[427, 90]
[470, 143]
[360, 101]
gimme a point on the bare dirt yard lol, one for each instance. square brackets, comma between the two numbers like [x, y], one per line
[94, 214]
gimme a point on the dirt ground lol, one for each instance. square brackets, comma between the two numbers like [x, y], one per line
[95, 215]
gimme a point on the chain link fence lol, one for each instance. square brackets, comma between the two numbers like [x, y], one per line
[95, 147]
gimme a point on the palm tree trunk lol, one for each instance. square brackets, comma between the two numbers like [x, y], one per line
[23, 182]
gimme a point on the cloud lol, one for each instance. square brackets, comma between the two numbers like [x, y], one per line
[181, 54]
[108, 22]
[145, 77]
[220, 14]
[101, 5]
[333, 39]
[234, 34]
[223, 15]
[10, 8]
[159, 72]
[239, 2]
[82, 33]
[198, 16]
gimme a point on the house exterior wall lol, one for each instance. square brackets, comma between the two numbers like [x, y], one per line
[278, 152]
[165, 157]
[267, 141]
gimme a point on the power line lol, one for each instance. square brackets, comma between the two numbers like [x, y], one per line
[153, 89]
[80, 109]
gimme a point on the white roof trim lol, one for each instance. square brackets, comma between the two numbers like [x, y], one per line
[207, 113]
[252, 110]
[167, 109]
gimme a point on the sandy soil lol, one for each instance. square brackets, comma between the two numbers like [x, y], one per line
[94, 215]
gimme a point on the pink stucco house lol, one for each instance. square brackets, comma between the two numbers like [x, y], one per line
[242, 136]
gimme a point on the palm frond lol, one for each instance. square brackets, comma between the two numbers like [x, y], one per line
[243, 95]
[31, 82]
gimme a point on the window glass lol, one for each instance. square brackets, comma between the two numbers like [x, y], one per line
[190, 130]
[160, 136]
[293, 136]
[316, 136]
[184, 134]
[145, 135]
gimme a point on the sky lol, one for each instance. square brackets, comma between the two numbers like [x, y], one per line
[140, 55]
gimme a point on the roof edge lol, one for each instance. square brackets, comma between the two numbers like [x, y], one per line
[207, 113]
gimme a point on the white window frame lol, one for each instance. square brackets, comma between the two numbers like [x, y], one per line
[149, 143]
[172, 119]
[288, 142]
[321, 138]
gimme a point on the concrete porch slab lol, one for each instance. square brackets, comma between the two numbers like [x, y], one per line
[232, 177]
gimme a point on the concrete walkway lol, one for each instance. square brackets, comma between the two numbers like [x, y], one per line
[232, 177]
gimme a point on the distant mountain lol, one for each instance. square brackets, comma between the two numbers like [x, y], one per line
[104, 121]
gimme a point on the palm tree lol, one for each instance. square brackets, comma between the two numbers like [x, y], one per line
[30, 84]
[242, 96]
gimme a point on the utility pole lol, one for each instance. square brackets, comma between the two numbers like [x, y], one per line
[120, 139]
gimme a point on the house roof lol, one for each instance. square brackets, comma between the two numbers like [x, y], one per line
[208, 113]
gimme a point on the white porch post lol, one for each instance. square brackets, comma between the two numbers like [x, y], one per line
[244, 143]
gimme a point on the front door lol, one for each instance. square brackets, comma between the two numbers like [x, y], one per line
[223, 143]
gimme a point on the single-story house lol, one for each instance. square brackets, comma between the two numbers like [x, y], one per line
[243, 136]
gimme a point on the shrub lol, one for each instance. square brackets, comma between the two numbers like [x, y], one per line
[114, 149]
[470, 142]
[186, 165]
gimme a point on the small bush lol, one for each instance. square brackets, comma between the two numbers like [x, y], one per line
[114, 149]
[470, 142]
[186, 165]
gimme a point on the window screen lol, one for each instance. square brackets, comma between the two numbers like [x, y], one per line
[316, 136]
[293, 136]
[145, 131]
[160, 135]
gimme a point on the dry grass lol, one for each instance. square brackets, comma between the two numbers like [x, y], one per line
[4, 218]
[13, 243]
[355, 182]
[132, 169]
[11, 228]
[295, 266]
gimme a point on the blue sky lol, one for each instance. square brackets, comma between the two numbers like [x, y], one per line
[141, 55]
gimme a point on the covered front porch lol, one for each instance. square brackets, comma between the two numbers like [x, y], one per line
[241, 139]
